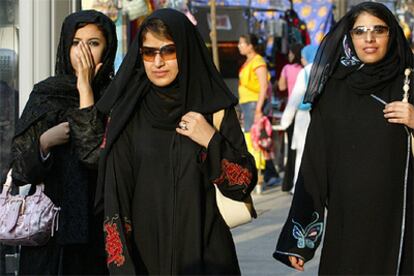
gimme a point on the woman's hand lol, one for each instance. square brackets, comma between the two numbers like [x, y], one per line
[297, 263]
[195, 126]
[400, 113]
[86, 71]
[54, 136]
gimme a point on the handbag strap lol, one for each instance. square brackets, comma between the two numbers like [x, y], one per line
[6, 188]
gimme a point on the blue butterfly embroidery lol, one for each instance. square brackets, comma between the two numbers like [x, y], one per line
[309, 236]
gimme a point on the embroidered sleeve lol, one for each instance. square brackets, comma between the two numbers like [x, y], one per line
[87, 129]
[304, 226]
[28, 166]
[114, 246]
[227, 162]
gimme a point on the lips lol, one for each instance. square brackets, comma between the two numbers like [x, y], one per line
[370, 50]
[160, 73]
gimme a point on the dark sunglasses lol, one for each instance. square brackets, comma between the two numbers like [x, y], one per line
[376, 31]
[167, 52]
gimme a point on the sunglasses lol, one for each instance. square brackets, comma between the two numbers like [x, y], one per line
[361, 32]
[167, 52]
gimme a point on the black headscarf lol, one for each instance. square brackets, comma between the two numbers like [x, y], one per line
[336, 55]
[52, 93]
[52, 99]
[201, 87]
[69, 27]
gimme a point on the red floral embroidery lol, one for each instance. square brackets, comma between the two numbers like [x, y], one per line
[113, 244]
[234, 173]
[102, 146]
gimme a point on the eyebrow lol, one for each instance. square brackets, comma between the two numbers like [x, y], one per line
[89, 38]
[363, 26]
[169, 44]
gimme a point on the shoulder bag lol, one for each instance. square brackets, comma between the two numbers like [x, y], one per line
[234, 212]
[26, 220]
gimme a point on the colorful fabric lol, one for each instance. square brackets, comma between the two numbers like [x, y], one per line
[318, 16]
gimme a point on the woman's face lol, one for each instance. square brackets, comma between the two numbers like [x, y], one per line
[244, 47]
[93, 37]
[160, 60]
[370, 36]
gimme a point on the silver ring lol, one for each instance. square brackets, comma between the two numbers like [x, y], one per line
[183, 125]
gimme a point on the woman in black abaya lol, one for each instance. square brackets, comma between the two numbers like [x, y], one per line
[162, 155]
[357, 161]
[56, 144]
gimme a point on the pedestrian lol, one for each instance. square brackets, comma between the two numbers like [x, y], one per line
[55, 144]
[287, 81]
[253, 91]
[297, 111]
[357, 161]
[162, 155]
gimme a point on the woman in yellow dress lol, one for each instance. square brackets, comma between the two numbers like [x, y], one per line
[253, 86]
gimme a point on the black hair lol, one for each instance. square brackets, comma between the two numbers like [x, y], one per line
[379, 13]
[156, 27]
[296, 49]
[254, 40]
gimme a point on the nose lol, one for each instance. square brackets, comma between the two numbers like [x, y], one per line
[158, 61]
[369, 37]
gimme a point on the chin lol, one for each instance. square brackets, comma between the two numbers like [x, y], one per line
[161, 83]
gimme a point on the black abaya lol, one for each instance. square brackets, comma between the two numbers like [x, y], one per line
[354, 165]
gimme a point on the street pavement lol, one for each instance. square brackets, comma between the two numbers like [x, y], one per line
[256, 241]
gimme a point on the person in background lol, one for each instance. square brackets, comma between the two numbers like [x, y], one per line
[298, 112]
[357, 161]
[162, 156]
[286, 82]
[55, 144]
[253, 91]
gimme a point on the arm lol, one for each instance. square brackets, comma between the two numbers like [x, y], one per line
[224, 158]
[28, 166]
[261, 73]
[294, 100]
[87, 126]
[302, 232]
[282, 83]
[87, 129]
[227, 162]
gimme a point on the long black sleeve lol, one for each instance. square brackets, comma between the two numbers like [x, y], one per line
[227, 161]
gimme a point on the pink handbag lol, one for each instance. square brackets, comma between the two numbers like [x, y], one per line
[26, 220]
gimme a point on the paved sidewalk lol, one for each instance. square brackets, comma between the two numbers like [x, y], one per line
[256, 241]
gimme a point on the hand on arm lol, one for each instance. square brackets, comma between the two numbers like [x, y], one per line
[195, 126]
[54, 136]
[261, 73]
[400, 113]
[86, 71]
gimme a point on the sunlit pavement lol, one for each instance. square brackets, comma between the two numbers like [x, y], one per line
[256, 241]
